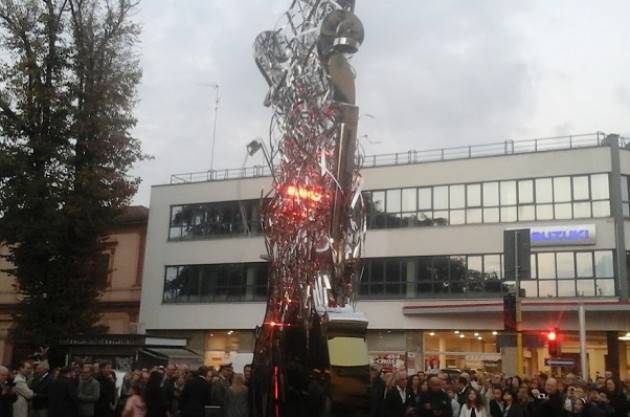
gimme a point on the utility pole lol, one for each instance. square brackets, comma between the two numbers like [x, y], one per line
[217, 101]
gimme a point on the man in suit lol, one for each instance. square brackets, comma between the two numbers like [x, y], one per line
[195, 395]
[40, 385]
[553, 406]
[62, 395]
[396, 398]
[377, 398]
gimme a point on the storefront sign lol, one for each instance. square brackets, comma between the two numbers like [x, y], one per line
[582, 234]
[560, 362]
[388, 361]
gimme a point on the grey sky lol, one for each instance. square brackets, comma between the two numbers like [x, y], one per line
[432, 73]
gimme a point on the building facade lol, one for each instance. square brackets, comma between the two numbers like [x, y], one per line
[121, 262]
[433, 267]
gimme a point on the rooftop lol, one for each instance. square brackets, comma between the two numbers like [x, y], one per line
[507, 147]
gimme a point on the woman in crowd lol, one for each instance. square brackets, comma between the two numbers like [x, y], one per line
[616, 397]
[134, 407]
[473, 407]
[236, 399]
[413, 390]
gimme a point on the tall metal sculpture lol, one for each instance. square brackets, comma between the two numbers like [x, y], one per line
[310, 356]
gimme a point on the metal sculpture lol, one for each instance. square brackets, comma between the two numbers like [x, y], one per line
[313, 218]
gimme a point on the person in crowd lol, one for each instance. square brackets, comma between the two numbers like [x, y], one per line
[456, 407]
[553, 404]
[462, 387]
[169, 387]
[616, 397]
[195, 395]
[236, 398]
[62, 400]
[496, 403]
[21, 405]
[435, 402]
[473, 407]
[40, 384]
[247, 373]
[579, 408]
[396, 397]
[526, 401]
[377, 392]
[511, 407]
[7, 395]
[155, 396]
[88, 392]
[105, 405]
[134, 407]
[221, 386]
[413, 390]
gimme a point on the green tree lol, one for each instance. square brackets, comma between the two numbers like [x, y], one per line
[68, 77]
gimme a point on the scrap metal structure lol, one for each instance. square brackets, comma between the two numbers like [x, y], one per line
[313, 218]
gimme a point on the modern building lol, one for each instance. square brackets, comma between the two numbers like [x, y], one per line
[121, 263]
[433, 266]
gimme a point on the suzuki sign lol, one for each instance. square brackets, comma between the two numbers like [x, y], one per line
[582, 234]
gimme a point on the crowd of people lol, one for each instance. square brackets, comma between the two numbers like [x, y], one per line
[478, 394]
[90, 390]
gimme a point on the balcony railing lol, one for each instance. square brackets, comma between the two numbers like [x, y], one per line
[508, 147]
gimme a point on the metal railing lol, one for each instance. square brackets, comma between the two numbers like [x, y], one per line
[508, 147]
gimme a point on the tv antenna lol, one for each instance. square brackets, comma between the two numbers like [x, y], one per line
[217, 101]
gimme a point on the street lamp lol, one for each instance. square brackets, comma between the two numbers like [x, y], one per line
[254, 146]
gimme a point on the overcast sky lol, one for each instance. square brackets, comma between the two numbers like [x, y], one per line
[432, 73]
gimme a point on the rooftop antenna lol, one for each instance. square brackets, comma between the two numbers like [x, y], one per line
[217, 101]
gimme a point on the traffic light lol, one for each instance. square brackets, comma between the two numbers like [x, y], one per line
[553, 345]
[509, 312]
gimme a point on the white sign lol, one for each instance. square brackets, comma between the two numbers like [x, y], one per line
[579, 234]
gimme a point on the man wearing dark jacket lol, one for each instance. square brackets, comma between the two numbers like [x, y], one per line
[195, 395]
[7, 396]
[377, 397]
[62, 395]
[553, 405]
[104, 407]
[40, 385]
[435, 402]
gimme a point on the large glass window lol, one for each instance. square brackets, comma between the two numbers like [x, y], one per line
[215, 283]
[525, 200]
[209, 220]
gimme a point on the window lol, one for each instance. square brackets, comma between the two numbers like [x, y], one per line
[524, 200]
[571, 274]
[599, 187]
[490, 194]
[544, 192]
[473, 195]
[215, 283]
[508, 193]
[211, 220]
[457, 196]
[526, 192]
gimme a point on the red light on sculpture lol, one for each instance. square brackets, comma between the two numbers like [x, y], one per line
[552, 336]
[304, 193]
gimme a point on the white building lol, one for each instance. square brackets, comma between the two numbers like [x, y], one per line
[433, 281]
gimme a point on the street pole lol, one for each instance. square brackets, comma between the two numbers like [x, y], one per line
[517, 298]
[583, 358]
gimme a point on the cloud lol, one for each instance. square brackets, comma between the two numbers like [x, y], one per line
[432, 74]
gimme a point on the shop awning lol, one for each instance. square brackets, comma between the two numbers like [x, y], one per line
[453, 307]
[176, 354]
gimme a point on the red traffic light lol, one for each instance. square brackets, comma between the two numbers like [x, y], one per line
[552, 336]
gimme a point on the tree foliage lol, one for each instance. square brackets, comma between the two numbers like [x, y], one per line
[68, 78]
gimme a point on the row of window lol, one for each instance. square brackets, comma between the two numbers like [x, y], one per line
[536, 199]
[215, 283]
[559, 198]
[554, 274]
[199, 221]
